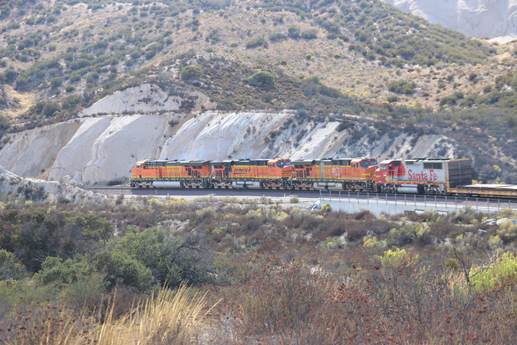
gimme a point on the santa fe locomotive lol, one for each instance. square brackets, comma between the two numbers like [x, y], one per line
[419, 176]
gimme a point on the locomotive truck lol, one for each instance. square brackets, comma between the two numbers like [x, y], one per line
[418, 176]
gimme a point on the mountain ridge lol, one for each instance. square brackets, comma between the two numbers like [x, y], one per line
[480, 18]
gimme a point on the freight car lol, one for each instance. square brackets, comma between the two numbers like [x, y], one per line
[418, 176]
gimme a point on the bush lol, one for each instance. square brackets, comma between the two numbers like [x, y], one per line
[502, 272]
[395, 258]
[409, 233]
[508, 231]
[293, 32]
[61, 272]
[275, 301]
[256, 42]
[262, 80]
[9, 76]
[190, 73]
[402, 87]
[120, 268]
[309, 34]
[40, 232]
[169, 259]
[10, 267]
[47, 109]
[277, 37]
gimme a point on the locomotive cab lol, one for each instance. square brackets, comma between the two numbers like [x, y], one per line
[364, 163]
[389, 170]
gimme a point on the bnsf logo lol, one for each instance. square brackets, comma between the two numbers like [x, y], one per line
[241, 171]
[423, 176]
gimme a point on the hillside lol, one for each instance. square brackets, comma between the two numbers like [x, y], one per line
[71, 49]
[321, 60]
[482, 18]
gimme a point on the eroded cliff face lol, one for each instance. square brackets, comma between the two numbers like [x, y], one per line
[99, 148]
[479, 18]
[104, 149]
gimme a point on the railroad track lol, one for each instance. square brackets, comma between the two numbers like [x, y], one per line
[334, 195]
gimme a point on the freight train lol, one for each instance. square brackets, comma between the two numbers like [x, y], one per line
[418, 176]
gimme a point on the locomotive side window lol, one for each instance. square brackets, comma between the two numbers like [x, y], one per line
[435, 166]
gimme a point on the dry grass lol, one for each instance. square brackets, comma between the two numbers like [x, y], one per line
[172, 317]
[169, 317]
[24, 101]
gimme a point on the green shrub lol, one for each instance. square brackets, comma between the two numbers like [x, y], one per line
[9, 76]
[402, 87]
[75, 279]
[392, 99]
[122, 269]
[85, 292]
[171, 260]
[452, 99]
[10, 267]
[309, 34]
[502, 272]
[36, 233]
[507, 231]
[277, 37]
[47, 109]
[409, 233]
[396, 258]
[256, 42]
[293, 32]
[61, 272]
[262, 80]
[326, 208]
[190, 72]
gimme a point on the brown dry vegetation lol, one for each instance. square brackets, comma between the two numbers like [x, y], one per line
[259, 274]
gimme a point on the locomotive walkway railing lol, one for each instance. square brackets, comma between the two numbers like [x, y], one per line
[399, 203]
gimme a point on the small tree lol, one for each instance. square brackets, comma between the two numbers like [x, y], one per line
[293, 32]
[189, 73]
[10, 267]
[262, 80]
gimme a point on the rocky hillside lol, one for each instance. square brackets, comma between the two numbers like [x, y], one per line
[63, 55]
[114, 133]
[480, 18]
[89, 87]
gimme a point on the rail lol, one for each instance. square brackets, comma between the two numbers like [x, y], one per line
[398, 203]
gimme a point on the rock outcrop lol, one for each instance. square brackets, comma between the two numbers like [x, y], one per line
[14, 187]
[146, 98]
[103, 149]
[479, 18]
[99, 148]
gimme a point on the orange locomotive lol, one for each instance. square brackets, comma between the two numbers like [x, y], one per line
[162, 173]
[419, 176]
[347, 174]
[341, 173]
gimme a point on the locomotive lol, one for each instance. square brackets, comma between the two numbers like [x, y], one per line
[418, 176]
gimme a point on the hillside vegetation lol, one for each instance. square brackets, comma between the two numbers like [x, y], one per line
[70, 50]
[257, 272]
